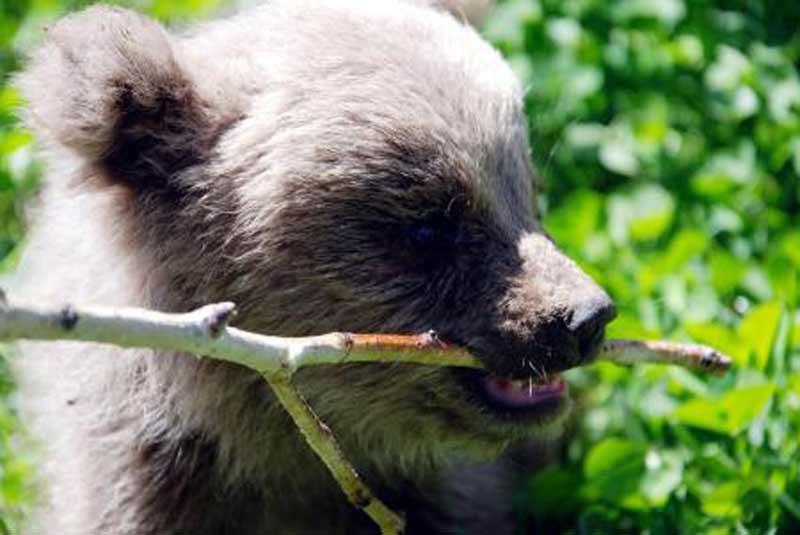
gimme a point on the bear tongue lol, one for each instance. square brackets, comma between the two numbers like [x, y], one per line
[523, 393]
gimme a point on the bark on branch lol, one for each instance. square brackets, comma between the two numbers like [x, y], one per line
[205, 333]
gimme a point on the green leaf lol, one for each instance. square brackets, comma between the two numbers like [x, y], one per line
[584, 135]
[13, 141]
[654, 209]
[619, 157]
[170, 9]
[723, 500]
[727, 72]
[727, 271]
[613, 471]
[758, 329]
[728, 415]
[575, 219]
[719, 337]
[629, 325]
[714, 184]
[790, 244]
[685, 245]
[643, 215]
[507, 24]
[10, 98]
[663, 476]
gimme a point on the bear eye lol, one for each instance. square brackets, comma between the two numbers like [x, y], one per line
[433, 235]
[423, 234]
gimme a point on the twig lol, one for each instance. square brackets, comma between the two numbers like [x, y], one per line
[205, 332]
[698, 358]
[321, 439]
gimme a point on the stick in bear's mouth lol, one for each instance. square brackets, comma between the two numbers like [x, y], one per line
[205, 331]
[422, 349]
[695, 357]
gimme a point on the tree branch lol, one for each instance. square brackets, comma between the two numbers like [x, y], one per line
[321, 440]
[205, 333]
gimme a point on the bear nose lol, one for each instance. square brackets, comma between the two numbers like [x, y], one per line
[588, 321]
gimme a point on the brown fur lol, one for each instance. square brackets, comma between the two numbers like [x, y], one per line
[282, 159]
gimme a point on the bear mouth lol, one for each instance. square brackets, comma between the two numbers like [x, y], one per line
[516, 401]
[538, 398]
[523, 394]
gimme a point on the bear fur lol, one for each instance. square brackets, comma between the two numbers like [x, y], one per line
[328, 166]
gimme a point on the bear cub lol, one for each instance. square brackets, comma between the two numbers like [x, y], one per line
[328, 165]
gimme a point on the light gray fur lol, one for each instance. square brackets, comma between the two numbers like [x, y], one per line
[270, 159]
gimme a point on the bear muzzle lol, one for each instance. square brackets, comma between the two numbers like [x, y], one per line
[549, 317]
[524, 374]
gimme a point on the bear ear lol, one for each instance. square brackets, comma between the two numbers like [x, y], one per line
[475, 12]
[106, 84]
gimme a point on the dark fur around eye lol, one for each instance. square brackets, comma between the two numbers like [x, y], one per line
[433, 234]
[423, 234]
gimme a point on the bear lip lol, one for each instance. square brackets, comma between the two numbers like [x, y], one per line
[525, 393]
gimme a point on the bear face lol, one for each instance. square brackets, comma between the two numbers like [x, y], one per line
[328, 166]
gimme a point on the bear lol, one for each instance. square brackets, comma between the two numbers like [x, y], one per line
[327, 165]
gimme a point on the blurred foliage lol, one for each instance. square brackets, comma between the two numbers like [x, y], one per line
[668, 136]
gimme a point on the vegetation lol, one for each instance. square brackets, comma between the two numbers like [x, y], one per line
[667, 133]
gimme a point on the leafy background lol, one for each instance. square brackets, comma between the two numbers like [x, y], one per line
[668, 136]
